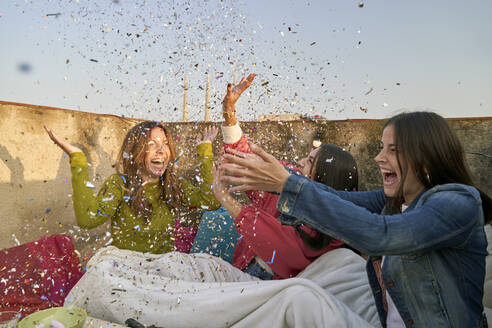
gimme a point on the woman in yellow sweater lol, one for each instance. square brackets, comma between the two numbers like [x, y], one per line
[142, 197]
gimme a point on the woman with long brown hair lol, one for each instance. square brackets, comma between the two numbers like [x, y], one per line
[424, 230]
[142, 197]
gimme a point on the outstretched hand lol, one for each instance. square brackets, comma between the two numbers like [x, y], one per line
[209, 135]
[232, 95]
[65, 146]
[222, 193]
[234, 92]
[256, 171]
[220, 190]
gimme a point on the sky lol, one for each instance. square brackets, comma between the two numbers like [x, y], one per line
[339, 59]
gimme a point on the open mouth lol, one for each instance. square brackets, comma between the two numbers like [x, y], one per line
[158, 165]
[389, 177]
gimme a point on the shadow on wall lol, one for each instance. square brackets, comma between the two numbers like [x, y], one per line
[36, 216]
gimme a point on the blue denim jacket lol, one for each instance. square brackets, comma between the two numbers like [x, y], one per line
[435, 265]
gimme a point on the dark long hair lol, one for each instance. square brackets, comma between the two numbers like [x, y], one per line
[425, 142]
[131, 163]
[335, 168]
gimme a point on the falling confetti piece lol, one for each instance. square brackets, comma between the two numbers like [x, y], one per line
[16, 241]
[94, 60]
[482, 154]
[313, 43]
[273, 258]
[55, 15]
[176, 160]
[368, 92]
[86, 257]
[57, 324]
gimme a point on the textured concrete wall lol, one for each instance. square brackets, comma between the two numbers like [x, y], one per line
[35, 186]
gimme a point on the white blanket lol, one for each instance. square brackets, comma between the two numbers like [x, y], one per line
[199, 290]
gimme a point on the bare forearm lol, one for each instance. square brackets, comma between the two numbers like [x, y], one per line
[232, 206]
[229, 114]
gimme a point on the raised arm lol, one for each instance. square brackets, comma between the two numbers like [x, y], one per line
[64, 145]
[233, 136]
[232, 95]
[90, 210]
[203, 196]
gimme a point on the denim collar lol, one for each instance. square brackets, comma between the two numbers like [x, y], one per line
[416, 199]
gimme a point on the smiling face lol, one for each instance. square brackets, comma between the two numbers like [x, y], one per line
[306, 164]
[391, 172]
[157, 155]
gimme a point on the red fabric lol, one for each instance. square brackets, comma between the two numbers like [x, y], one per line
[263, 235]
[38, 275]
[183, 237]
[377, 264]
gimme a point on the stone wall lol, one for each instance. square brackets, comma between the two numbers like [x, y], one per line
[35, 188]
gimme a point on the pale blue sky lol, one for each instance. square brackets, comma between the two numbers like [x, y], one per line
[336, 58]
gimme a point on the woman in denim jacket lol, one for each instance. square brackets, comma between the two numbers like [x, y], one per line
[423, 231]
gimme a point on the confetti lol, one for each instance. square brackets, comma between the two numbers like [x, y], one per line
[55, 15]
[273, 258]
[481, 154]
[16, 241]
[57, 324]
